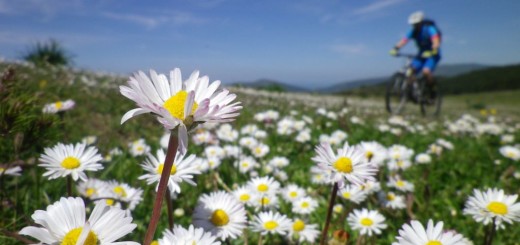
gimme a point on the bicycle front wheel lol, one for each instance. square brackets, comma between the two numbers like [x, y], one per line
[396, 94]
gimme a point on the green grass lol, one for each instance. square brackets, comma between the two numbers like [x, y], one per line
[441, 187]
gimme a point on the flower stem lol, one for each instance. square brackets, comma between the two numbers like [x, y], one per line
[169, 204]
[329, 213]
[69, 186]
[163, 184]
[490, 233]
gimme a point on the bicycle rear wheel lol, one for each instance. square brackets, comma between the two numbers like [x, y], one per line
[431, 99]
[396, 94]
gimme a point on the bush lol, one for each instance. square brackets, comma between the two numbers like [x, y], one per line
[48, 53]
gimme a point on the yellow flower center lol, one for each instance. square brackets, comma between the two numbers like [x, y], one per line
[399, 183]
[154, 242]
[265, 201]
[90, 191]
[497, 208]
[298, 225]
[58, 105]
[344, 165]
[258, 150]
[270, 225]
[390, 197]
[434, 243]
[510, 154]
[262, 188]
[175, 105]
[219, 218]
[305, 204]
[369, 155]
[109, 202]
[293, 194]
[70, 163]
[161, 167]
[2, 170]
[346, 195]
[367, 222]
[244, 197]
[120, 191]
[400, 163]
[245, 165]
[71, 238]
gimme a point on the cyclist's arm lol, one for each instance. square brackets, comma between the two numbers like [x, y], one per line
[435, 38]
[405, 39]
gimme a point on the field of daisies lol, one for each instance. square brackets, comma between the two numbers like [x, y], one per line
[178, 158]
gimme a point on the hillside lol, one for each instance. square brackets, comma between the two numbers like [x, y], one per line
[270, 85]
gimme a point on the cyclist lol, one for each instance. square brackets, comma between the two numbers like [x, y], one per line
[427, 37]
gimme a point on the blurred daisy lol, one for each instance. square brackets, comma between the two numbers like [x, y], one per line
[63, 160]
[319, 176]
[64, 223]
[221, 214]
[493, 205]
[264, 185]
[348, 164]
[91, 188]
[263, 201]
[271, 222]
[246, 164]
[183, 170]
[367, 222]
[433, 234]
[14, 171]
[279, 162]
[423, 158]
[214, 151]
[243, 195]
[304, 205]
[510, 152]
[393, 201]
[89, 140]
[125, 193]
[371, 187]
[400, 152]
[179, 105]
[139, 148]
[399, 164]
[260, 150]
[191, 236]
[352, 193]
[400, 184]
[292, 193]
[304, 232]
[58, 106]
[375, 153]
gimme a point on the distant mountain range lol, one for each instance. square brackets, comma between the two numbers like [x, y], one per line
[449, 70]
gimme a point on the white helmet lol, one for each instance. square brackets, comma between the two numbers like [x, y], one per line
[416, 18]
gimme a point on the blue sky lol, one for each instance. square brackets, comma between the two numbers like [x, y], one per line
[310, 43]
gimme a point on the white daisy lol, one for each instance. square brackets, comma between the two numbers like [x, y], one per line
[271, 222]
[400, 184]
[125, 193]
[399, 152]
[278, 162]
[393, 201]
[59, 106]
[493, 205]
[432, 235]
[263, 201]
[183, 169]
[348, 164]
[352, 193]
[423, 158]
[64, 223]
[14, 171]
[510, 152]
[400, 164]
[139, 147]
[259, 150]
[191, 236]
[246, 164]
[292, 193]
[367, 222]
[244, 195]
[221, 214]
[264, 185]
[179, 105]
[63, 160]
[214, 151]
[371, 187]
[375, 153]
[304, 205]
[304, 232]
[91, 188]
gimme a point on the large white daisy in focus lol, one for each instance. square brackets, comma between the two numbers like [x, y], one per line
[177, 104]
[221, 214]
[183, 169]
[415, 233]
[348, 164]
[190, 236]
[63, 160]
[64, 223]
[491, 205]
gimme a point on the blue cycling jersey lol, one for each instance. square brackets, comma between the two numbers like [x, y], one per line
[423, 38]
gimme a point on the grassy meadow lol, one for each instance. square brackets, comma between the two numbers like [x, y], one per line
[475, 125]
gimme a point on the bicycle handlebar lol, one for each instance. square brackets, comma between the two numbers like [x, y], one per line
[411, 56]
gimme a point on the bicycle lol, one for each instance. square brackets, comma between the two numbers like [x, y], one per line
[406, 86]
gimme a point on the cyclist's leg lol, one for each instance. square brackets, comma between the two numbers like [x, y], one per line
[417, 65]
[429, 67]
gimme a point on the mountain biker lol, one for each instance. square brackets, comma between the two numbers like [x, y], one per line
[428, 40]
